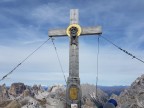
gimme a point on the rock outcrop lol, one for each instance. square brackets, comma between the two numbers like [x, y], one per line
[26, 93]
[57, 91]
[3, 93]
[17, 89]
[13, 104]
[22, 96]
[91, 95]
[133, 97]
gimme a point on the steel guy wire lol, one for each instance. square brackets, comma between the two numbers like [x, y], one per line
[97, 67]
[23, 60]
[59, 60]
[134, 57]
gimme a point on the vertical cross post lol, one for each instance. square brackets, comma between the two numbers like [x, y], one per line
[73, 91]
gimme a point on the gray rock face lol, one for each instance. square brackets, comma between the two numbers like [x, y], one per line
[13, 104]
[57, 91]
[90, 97]
[133, 97]
[17, 89]
[3, 93]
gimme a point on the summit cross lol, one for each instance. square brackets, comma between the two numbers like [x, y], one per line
[73, 31]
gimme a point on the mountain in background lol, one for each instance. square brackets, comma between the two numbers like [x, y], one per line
[113, 89]
[19, 95]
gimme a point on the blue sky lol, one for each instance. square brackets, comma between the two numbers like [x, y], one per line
[24, 25]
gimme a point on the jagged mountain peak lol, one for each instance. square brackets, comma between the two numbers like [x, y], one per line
[132, 97]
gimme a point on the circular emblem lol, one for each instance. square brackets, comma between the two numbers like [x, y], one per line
[73, 30]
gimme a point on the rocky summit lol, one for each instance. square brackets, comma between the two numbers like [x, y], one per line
[4, 95]
[133, 97]
[20, 95]
[17, 89]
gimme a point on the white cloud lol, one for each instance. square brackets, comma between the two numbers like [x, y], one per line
[51, 13]
[115, 67]
[134, 33]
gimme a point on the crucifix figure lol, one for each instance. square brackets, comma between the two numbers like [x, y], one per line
[73, 90]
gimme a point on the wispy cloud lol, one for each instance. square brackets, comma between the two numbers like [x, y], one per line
[51, 13]
[135, 34]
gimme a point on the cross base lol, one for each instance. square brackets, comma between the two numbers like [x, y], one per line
[73, 92]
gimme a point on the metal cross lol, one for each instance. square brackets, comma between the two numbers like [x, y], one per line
[73, 91]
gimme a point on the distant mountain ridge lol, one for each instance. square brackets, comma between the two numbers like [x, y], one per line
[113, 89]
[19, 95]
[107, 89]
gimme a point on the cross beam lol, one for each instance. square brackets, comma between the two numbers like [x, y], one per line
[85, 31]
[73, 92]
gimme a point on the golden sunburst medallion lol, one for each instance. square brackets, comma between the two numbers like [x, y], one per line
[74, 28]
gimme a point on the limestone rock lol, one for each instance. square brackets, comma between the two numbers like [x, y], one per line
[26, 93]
[133, 97]
[35, 89]
[13, 104]
[3, 93]
[29, 102]
[4, 103]
[89, 95]
[17, 89]
[20, 96]
[57, 91]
